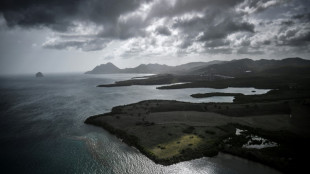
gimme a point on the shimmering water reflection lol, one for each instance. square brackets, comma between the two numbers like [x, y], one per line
[42, 129]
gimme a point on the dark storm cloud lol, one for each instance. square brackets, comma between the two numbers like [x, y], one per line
[303, 17]
[90, 45]
[163, 8]
[162, 30]
[60, 14]
[259, 5]
[133, 26]
[219, 51]
[216, 43]
[214, 24]
[226, 27]
[289, 22]
[210, 24]
[186, 43]
[295, 32]
[266, 42]
[32, 13]
[245, 50]
[294, 38]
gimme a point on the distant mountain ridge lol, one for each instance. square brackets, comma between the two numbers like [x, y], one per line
[233, 68]
[147, 68]
[110, 68]
[245, 67]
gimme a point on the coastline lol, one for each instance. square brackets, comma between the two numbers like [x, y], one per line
[209, 135]
[214, 94]
[133, 141]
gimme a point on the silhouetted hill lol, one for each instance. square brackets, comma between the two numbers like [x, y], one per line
[248, 67]
[39, 74]
[109, 68]
[235, 68]
[189, 67]
[148, 68]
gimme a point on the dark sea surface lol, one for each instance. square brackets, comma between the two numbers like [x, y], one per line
[42, 129]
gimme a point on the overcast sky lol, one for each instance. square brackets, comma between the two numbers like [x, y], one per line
[77, 35]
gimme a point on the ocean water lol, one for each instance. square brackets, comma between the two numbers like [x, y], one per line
[42, 129]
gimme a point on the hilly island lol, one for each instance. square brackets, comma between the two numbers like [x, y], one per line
[271, 128]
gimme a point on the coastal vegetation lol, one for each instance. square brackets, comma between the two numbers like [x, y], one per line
[271, 128]
[214, 94]
[172, 131]
[262, 74]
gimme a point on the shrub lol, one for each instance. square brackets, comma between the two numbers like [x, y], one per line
[189, 130]
[201, 136]
[139, 123]
[209, 132]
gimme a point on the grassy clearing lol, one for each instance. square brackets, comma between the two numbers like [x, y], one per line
[176, 146]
